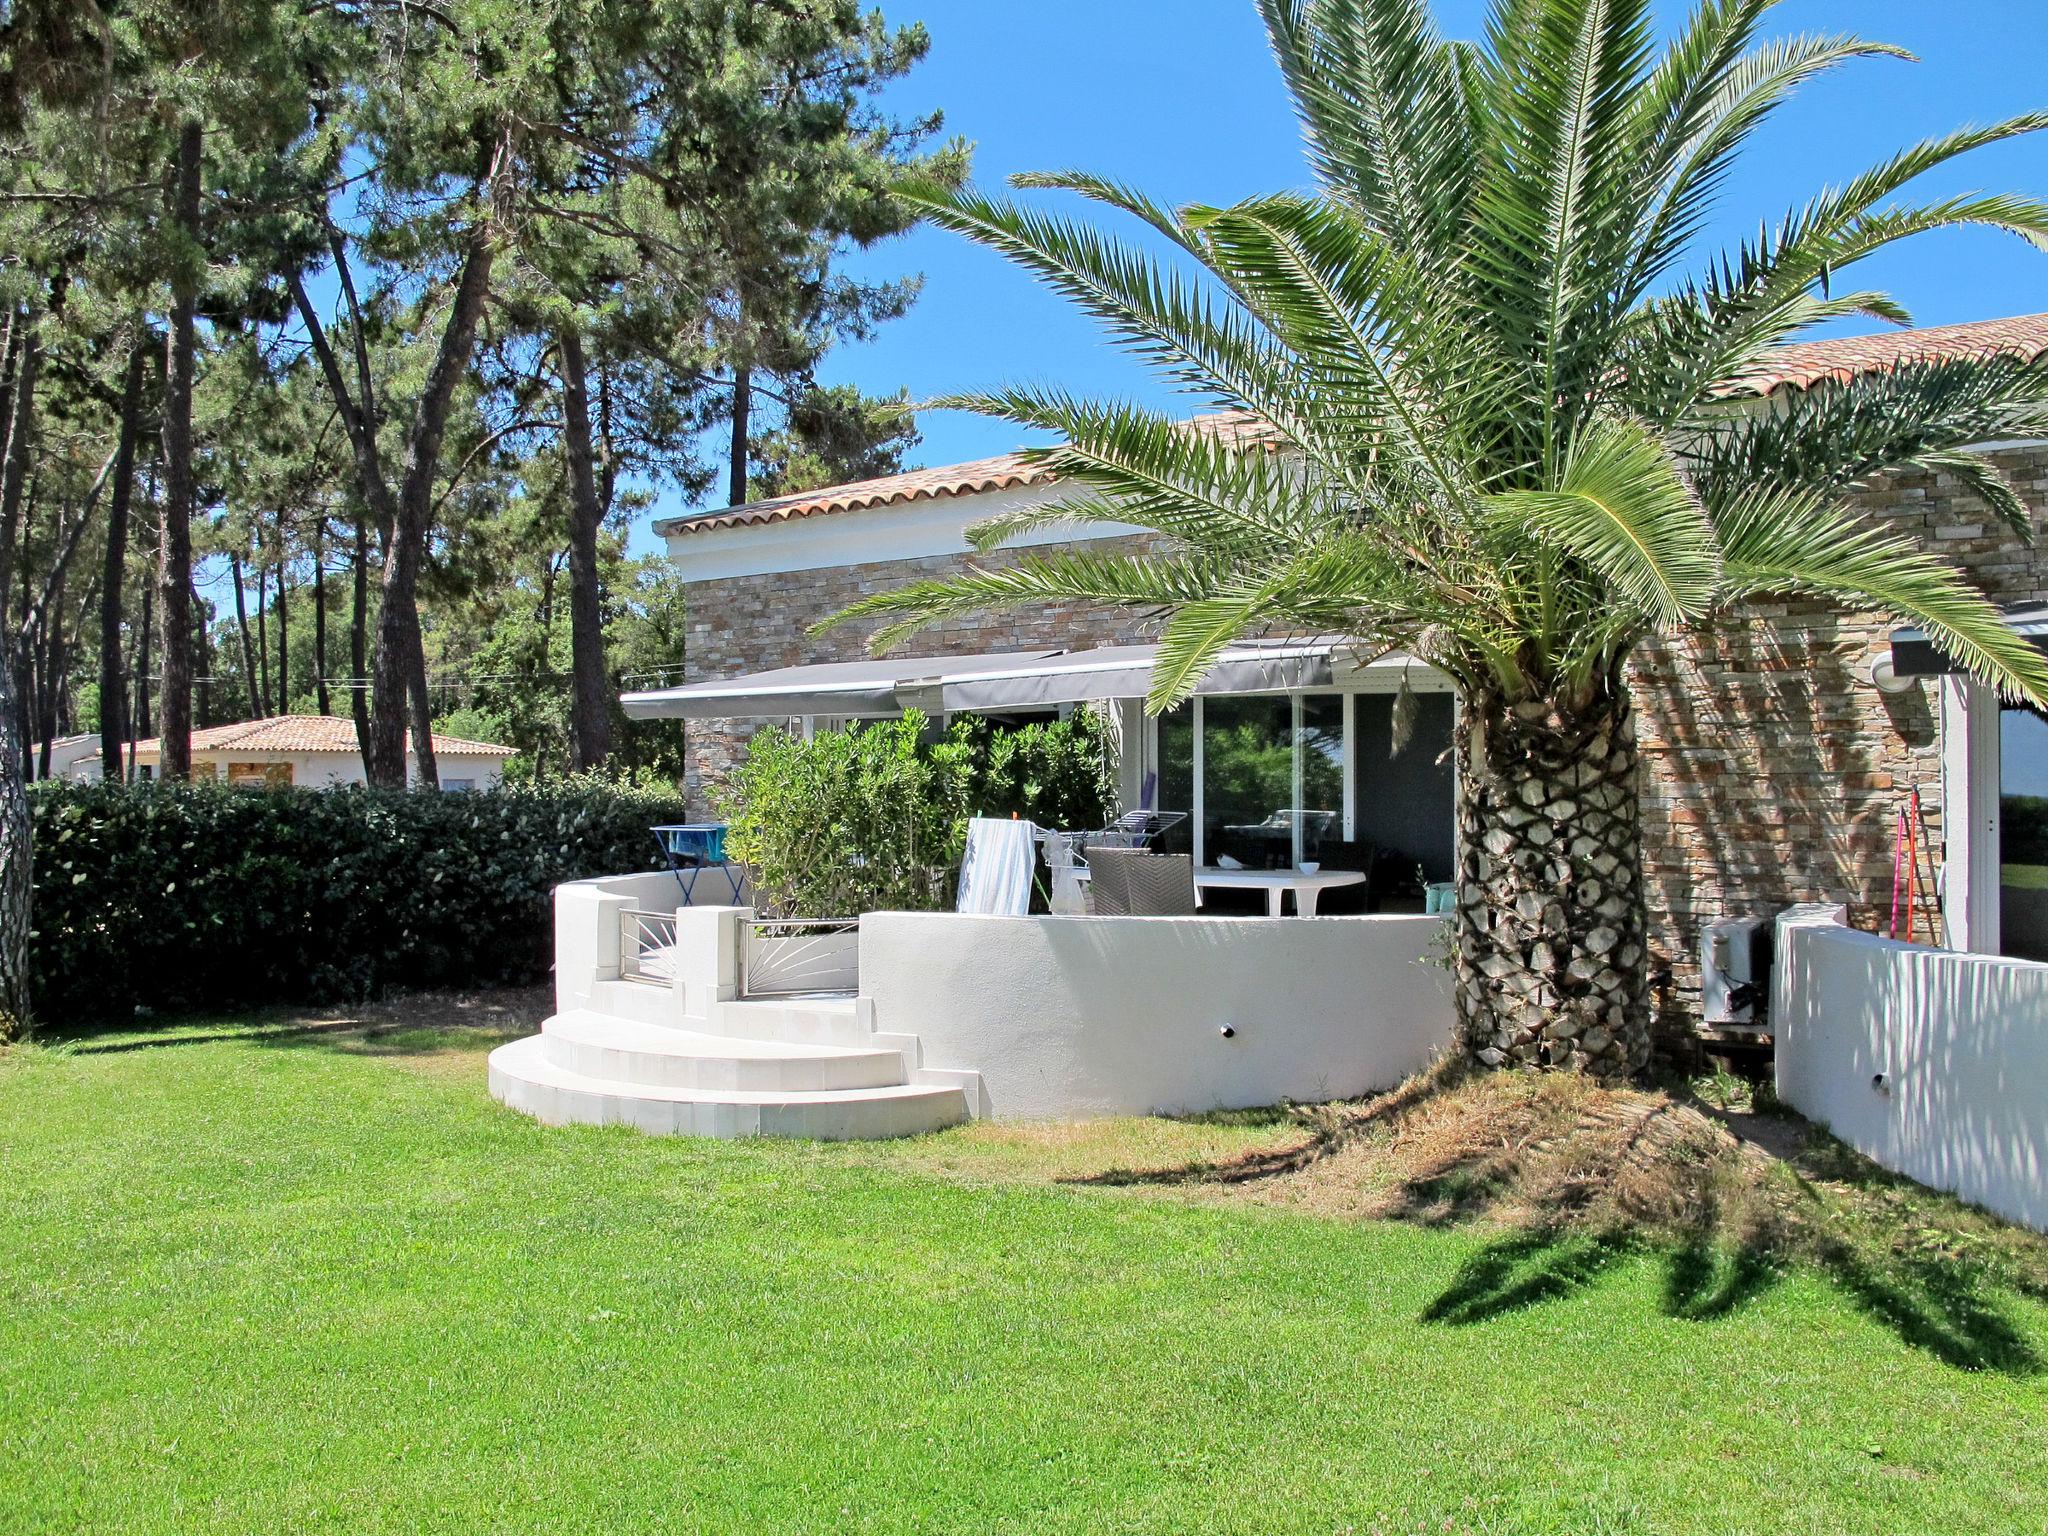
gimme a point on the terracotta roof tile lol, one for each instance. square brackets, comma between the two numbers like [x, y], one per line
[1800, 366]
[1807, 363]
[311, 733]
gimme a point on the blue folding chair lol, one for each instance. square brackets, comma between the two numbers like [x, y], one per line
[690, 849]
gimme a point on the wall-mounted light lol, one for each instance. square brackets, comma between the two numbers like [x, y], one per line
[1884, 677]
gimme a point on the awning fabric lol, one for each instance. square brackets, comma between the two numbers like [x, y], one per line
[979, 684]
[1915, 655]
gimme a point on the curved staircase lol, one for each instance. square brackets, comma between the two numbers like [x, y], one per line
[810, 1067]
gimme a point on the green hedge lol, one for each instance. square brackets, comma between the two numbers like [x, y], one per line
[193, 896]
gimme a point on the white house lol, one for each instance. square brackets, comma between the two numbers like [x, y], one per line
[315, 751]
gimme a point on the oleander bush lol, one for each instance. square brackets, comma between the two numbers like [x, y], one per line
[174, 896]
[874, 817]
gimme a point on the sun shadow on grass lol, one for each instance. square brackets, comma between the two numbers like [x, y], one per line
[1574, 1179]
[84, 1044]
[1522, 1269]
[1948, 1310]
[1705, 1281]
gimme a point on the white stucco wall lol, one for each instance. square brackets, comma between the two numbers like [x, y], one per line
[588, 915]
[1931, 1062]
[1088, 1016]
[322, 770]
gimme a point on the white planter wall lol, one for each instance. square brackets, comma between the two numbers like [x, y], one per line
[1091, 1016]
[1931, 1062]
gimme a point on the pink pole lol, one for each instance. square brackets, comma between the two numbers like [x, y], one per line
[1898, 850]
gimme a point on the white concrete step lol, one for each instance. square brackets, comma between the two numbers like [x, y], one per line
[641, 1001]
[625, 1051]
[818, 1020]
[523, 1076]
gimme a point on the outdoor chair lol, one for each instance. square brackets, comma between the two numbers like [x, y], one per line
[1128, 883]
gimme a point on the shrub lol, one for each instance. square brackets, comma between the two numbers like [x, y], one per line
[181, 896]
[851, 821]
[874, 817]
[1058, 774]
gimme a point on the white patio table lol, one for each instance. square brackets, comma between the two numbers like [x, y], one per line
[1276, 883]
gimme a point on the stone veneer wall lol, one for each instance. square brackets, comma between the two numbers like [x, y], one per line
[1773, 770]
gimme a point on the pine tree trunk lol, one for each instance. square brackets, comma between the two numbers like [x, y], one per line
[742, 414]
[256, 709]
[284, 629]
[143, 727]
[174, 560]
[321, 700]
[590, 713]
[263, 598]
[358, 640]
[17, 884]
[114, 576]
[1552, 968]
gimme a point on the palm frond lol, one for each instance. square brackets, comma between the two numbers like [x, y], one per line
[1201, 340]
[1690, 145]
[1922, 414]
[1382, 101]
[1776, 541]
[1118, 579]
[1190, 480]
[1192, 640]
[1622, 507]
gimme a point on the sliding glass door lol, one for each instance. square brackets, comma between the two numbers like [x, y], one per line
[1272, 781]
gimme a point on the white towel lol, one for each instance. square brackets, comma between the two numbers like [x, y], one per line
[995, 874]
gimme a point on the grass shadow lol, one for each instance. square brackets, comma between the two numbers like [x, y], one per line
[83, 1043]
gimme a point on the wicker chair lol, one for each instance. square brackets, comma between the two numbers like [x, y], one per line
[1128, 883]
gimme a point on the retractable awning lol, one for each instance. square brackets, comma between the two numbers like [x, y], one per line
[1916, 655]
[1012, 680]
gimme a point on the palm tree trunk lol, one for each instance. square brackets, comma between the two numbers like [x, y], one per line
[1552, 969]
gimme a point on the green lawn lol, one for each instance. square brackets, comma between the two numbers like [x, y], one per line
[308, 1284]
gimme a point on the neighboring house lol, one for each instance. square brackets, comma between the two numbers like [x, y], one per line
[314, 751]
[76, 758]
[1776, 766]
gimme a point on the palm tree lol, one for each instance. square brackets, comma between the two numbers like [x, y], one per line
[1480, 415]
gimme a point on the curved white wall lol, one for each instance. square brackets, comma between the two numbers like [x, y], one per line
[1066, 1016]
[1931, 1062]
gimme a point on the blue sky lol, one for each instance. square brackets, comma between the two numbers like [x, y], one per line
[1181, 98]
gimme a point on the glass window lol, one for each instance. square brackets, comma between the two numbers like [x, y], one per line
[1406, 789]
[2023, 834]
[1248, 791]
[1322, 780]
[1175, 790]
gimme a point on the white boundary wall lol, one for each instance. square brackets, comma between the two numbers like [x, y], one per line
[1931, 1062]
[1074, 1016]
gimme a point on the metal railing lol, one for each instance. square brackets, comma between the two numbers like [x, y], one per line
[786, 957]
[647, 946]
